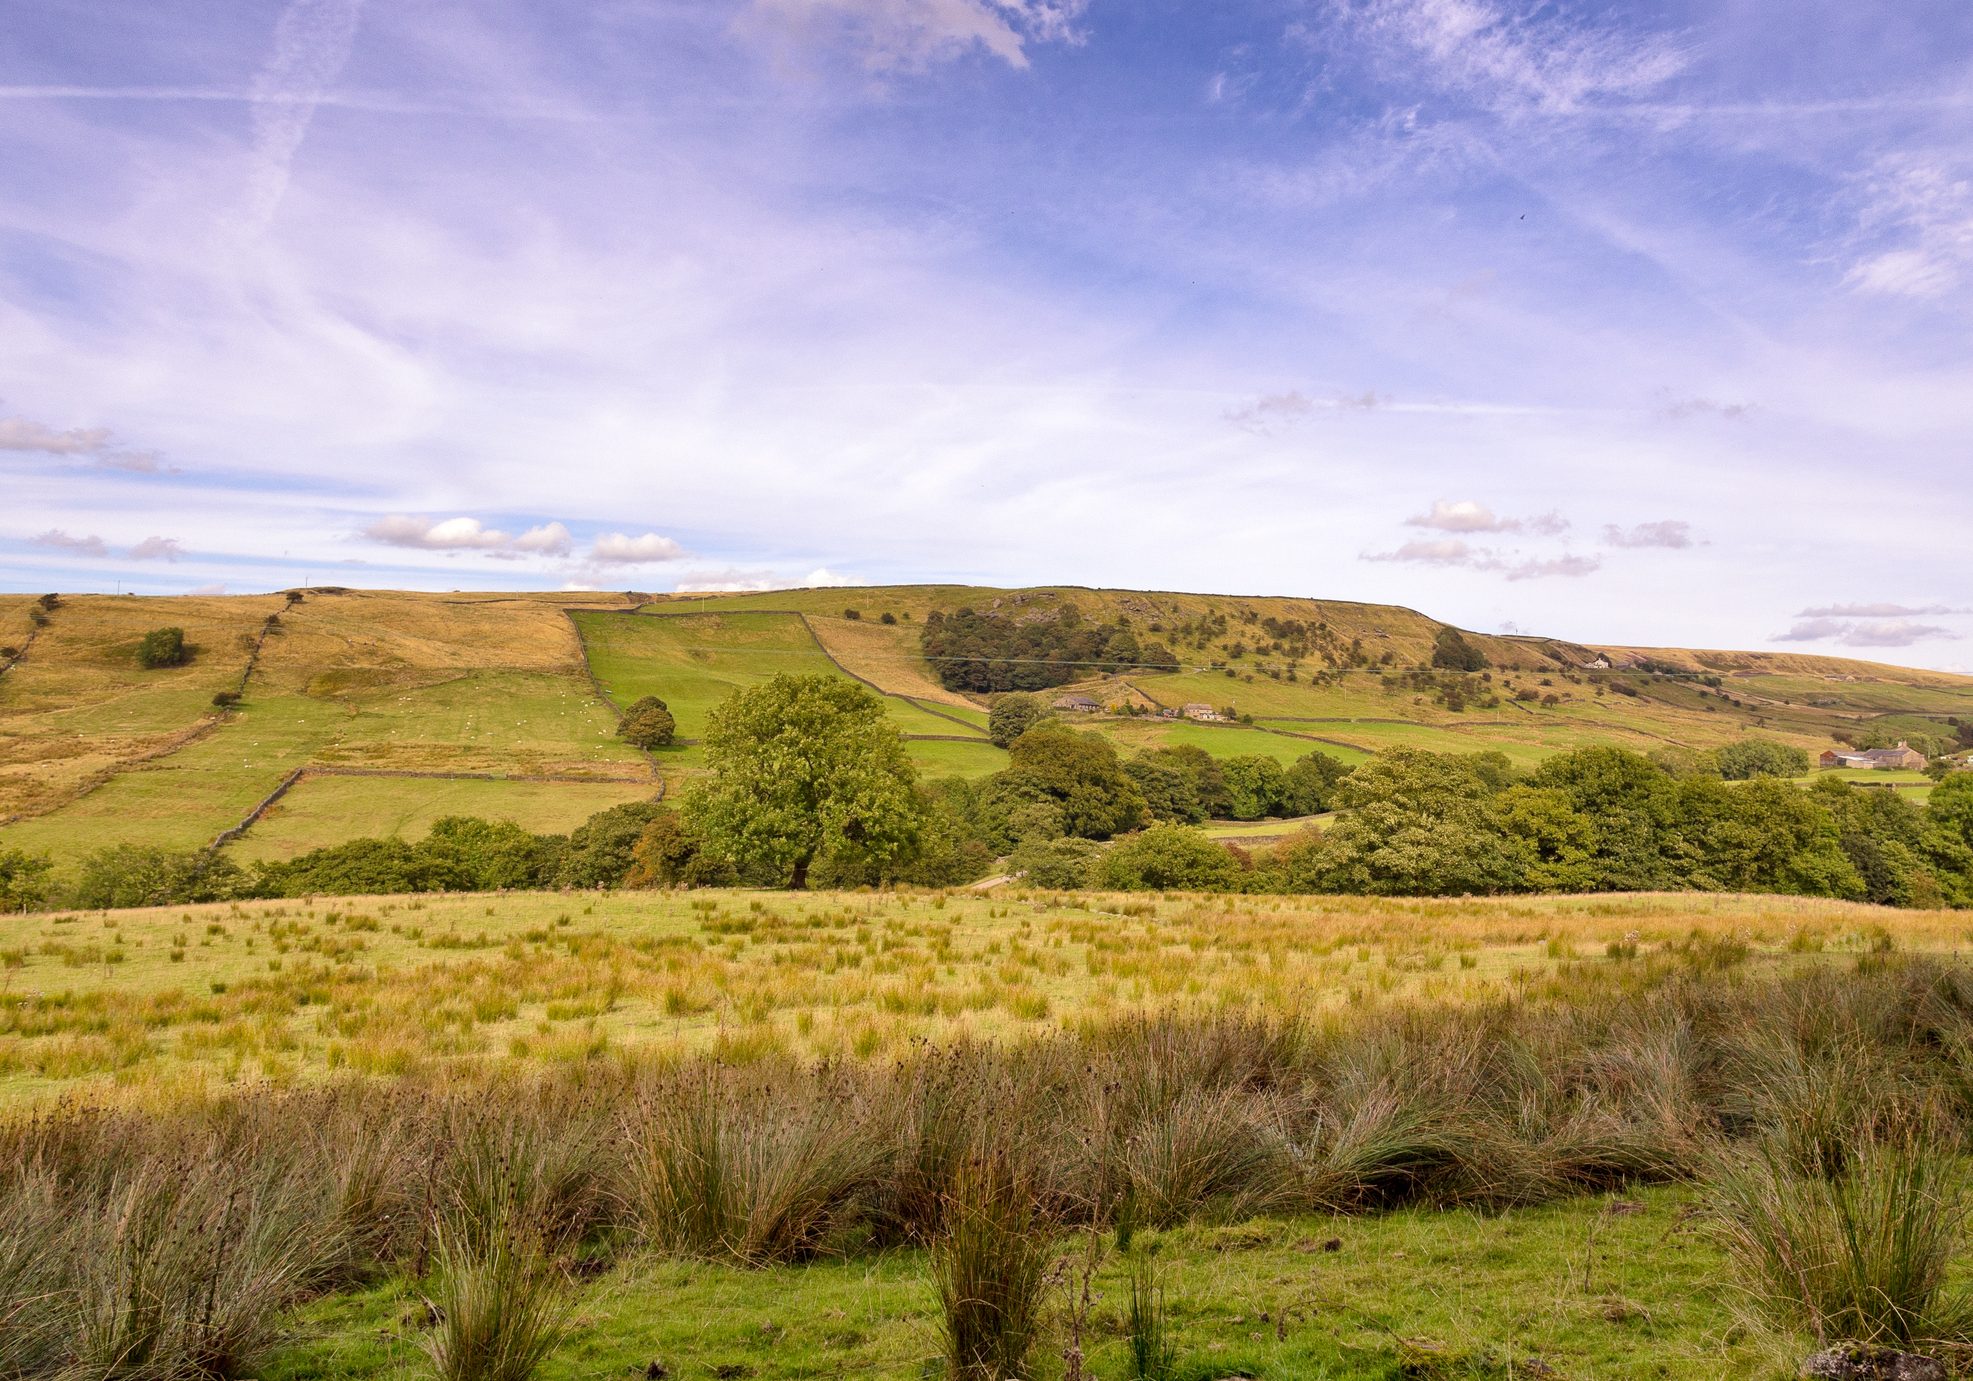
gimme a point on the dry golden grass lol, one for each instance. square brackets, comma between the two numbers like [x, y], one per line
[160, 1003]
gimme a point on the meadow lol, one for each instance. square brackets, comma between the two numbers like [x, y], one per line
[743, 1134]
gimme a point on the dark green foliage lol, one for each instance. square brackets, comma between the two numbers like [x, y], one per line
[460, 854]
[1064, 863]
[602, 848]
[647, 724]
[1312, 782]
[144, 876]
[993, 651]
[1418, 824]
[1256, 788]
[225, 700]
[1013, 715]
[1451, 652]
[23, 879]
[163, 647]
[1076, 775]
[1759, 757]
[1170, 858]
[805, 770]
[669, 854]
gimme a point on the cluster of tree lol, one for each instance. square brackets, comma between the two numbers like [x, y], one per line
[1451, 652]
[647, 724]
[984, 652]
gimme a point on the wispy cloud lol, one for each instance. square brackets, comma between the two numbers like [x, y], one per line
[157, 549]
[1669, 533]
[57, 540]
[1884, 633]
[312, 40]
[1678, 409]
[1453, 551]
[908, 35]
[1879, 611]
[1513, 59]
[1915, 227]
[98, 445]
[1469, 515]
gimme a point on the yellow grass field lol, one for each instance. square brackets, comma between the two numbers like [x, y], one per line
[168, 1002]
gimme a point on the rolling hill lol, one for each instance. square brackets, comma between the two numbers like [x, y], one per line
[375, 712]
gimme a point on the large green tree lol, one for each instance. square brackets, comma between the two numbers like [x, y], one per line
[1076, 773]
[805, 770]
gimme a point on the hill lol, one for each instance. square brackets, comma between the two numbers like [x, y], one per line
[366, 712]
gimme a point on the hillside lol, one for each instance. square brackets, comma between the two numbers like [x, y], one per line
[380, 711]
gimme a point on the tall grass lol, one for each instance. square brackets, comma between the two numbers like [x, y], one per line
[991, 1270]
[1147, 1335]
[1827, 1105]
[503, 1307]
[1859, 1255]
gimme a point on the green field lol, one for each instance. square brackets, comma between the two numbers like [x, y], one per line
[329, 809]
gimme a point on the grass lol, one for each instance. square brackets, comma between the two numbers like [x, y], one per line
[1615, 1288]
[161, 1003]
[325, 810]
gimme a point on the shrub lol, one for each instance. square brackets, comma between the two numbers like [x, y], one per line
[163, 647]
[647, 724]
[225, 700]
[1170, 858]
[1064, 863]
[1859, 1256]
[990, 1269]
[503, 1308]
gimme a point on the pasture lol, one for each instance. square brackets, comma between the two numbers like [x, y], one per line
[137, 1004]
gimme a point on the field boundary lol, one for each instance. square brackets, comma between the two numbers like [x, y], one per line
[20, 653]
[301, 774]
[973, 733]
[596, 682]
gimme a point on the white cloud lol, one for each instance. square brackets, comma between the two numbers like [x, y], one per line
[1567, 566]
[57, 540]
[1668, 533]
[822, 577]
[550, 539]
[432, 534]
[1462, 515]
[1915, 228]
[617, 548]
[216, 588]
[157, 549]
[909, 35]
[1453, 551]
[1436, 551]
[729, 581]
[22, 434]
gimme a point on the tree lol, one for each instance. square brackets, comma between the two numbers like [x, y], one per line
[1312, 783]
[669, 854]
[1760, 757]
[1452, 652]
[1077, 773]
[1415, 823]
[1013, 715]
[1170, 791]
[23, 879]
[1257, 785]
[1169, 858]
[147, 876]
[804, 769]
[163, 647]
[601, 848]
[1636, 809]
[1064, 863]
[647, 724]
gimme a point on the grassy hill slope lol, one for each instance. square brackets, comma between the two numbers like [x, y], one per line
[389, 709]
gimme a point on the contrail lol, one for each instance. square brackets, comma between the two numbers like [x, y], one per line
[311, 44]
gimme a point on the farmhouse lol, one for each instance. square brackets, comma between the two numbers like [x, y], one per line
[1076, 704]
[1902, 756]
[1198, 711]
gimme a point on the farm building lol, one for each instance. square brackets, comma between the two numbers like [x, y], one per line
[1902, 756]
[1198, 711]
[1077, 704]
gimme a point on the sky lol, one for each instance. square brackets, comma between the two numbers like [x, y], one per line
[1637, 322]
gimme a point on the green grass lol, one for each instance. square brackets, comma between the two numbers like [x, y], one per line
[1221, 740]
[325, 810]
[1592, 1288]
[1264, 829]
[936, 759]
[694, 661]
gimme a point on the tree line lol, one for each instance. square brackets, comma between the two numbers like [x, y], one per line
[808, 785]
[991, 652]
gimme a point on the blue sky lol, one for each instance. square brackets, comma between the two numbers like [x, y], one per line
[1634, 322]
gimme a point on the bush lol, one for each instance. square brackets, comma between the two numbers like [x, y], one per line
[1859, 1256]
[1452, 652]
[225, 700]
[1170, 858]
[1063, 863]
[647, 724]
[163, 647]
[990, 1269]
[1013, 715]
[148, 876]
[502, 1309]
